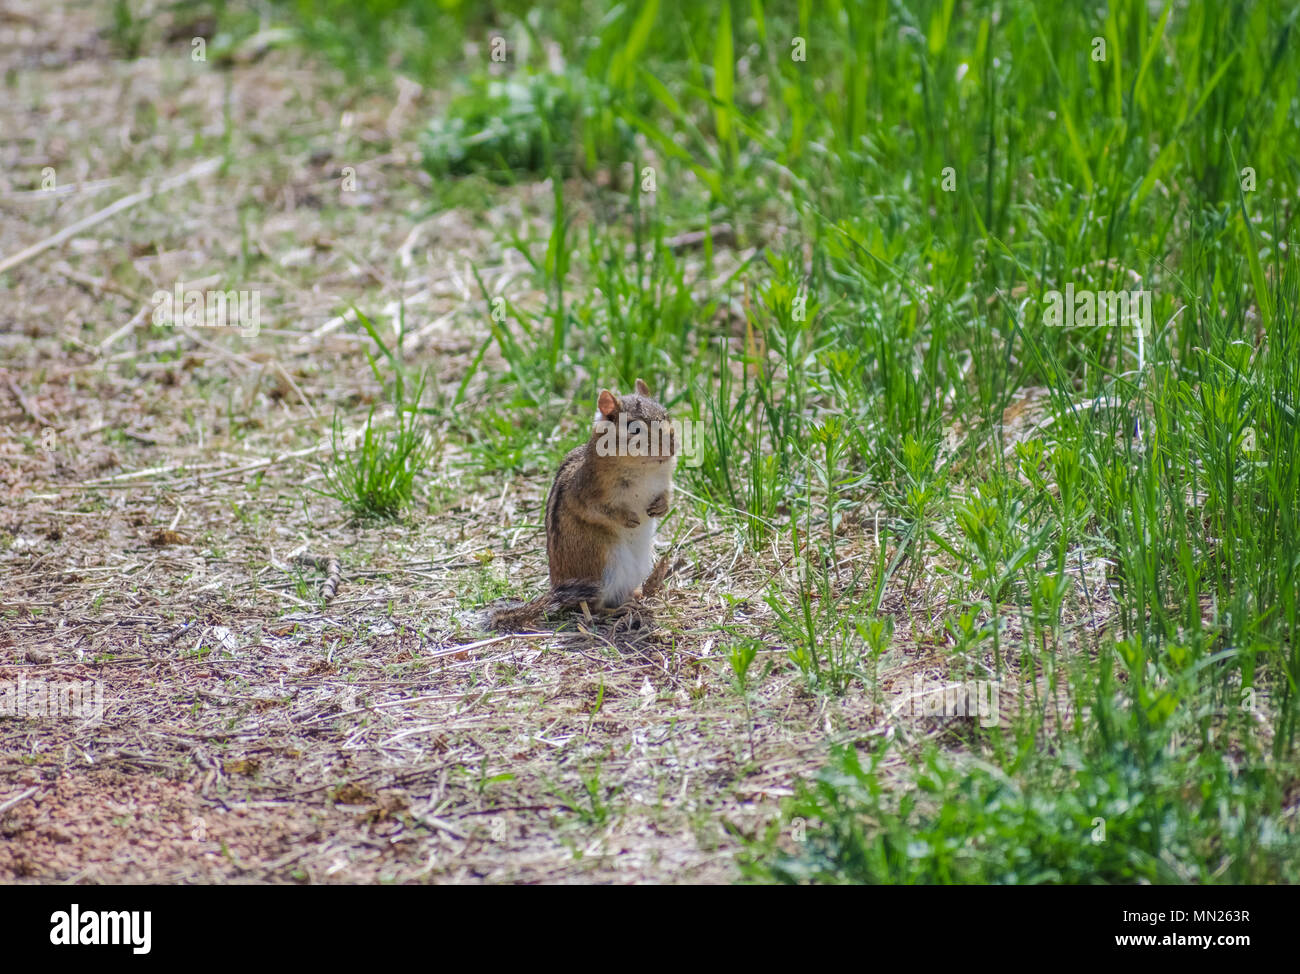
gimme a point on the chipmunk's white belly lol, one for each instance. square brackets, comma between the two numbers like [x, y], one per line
[632, 558]
[630, 562]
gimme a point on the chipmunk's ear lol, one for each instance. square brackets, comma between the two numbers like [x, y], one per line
[642, 389]
[606, 405]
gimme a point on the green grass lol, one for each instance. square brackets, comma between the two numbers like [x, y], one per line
[509, 129]
[376, 478]
[906, 195]
[1097, 816]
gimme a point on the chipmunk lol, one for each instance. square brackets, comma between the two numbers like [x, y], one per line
[604, 508]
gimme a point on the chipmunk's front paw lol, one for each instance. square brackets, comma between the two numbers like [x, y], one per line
[659, 506]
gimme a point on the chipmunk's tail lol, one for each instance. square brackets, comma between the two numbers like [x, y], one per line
[566, 595]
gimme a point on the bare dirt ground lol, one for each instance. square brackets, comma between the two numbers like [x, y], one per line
[155, 488]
